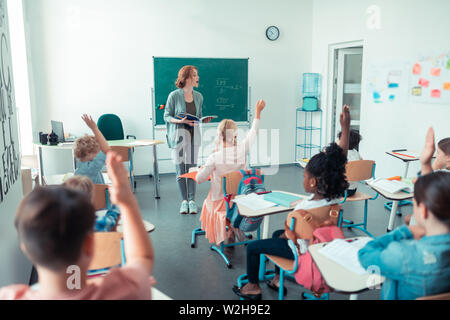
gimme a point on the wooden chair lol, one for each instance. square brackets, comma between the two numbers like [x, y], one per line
[289, 267]
[127, 156]
[442, 296]
[101, 197]
[108, 252]
[358, 171]
[230, 186]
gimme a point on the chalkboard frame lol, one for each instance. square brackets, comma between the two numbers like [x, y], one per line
[248, 89]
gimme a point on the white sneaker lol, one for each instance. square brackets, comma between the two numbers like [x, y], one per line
[192, 207]
[184, 209]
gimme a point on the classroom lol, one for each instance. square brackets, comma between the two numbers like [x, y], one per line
[281, 70]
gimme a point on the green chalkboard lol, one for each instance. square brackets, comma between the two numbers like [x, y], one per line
[223, 84]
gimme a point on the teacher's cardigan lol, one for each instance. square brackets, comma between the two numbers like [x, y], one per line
[176, 104]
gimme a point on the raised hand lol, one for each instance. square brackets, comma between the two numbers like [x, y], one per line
[120, 190]
[260, 105]
[344, 118]
[89, 122]
[427, 152]
[429, 148]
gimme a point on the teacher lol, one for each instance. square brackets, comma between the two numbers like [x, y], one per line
[183, 136]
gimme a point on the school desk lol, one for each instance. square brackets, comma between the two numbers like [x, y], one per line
[250, 213]
[395, 198]
[55, 179]
[340, 278]
[125, 143]
[406, 156]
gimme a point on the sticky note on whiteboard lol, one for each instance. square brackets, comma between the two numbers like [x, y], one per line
[446, 85]
[417, 69]
[416, 91]
[424, 82]
[436, 93]
[435, 72]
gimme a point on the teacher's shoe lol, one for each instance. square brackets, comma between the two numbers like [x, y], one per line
[184, 209]
[192, 207]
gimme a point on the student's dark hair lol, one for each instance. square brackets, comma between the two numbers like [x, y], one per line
[328, 167]
[52, 223]
[354, 139]
[433, 191]
[444, 145]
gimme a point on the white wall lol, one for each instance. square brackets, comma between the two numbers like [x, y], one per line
[408, 29]
[95, 56]
[14, 267]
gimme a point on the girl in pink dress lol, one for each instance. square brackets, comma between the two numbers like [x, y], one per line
[229, 156]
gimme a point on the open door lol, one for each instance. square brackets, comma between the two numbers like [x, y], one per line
[347, 87]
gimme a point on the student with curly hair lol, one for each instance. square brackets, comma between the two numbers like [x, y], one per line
[90, 152]
[324, 178]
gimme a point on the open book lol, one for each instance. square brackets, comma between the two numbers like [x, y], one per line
[345, 253]
[392, 186]
[189, 116]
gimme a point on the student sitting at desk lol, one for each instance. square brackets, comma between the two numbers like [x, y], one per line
[105, 223]
[442, 161]
[228, 157]
[416, 260]
[90, 151]
[324, 177]
[55, 229]
[352, 155]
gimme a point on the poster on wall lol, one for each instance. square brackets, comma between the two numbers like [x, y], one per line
[430, 79]
[9, 140]
[387, 83]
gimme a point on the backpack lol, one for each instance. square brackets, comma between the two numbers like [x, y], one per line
[251, 182]
[315, 230]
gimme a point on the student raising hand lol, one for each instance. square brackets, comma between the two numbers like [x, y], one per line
[138, 246]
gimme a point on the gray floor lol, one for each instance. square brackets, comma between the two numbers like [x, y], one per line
[198, 273]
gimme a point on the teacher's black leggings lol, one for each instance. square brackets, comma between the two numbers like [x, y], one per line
[274, 246]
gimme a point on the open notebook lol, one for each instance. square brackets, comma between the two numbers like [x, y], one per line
[346, 253]
[392, 186]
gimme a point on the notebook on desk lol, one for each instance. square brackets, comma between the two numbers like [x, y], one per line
[393, 186]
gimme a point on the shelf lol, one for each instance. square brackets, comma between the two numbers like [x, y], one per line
[309, 128]
[300, 109]
[308, 146]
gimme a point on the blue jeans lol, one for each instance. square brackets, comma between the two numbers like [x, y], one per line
[275, 246]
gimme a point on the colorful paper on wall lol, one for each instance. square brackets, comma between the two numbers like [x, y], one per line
[435, 72]
[387, 83]
[429, 81]
[436, 93]
[424, 83]
[417, 69]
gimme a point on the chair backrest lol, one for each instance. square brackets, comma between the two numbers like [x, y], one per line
[360, 170]
[232, 180]
[122, 151]
[107, 250]
[305, 225]
[442, 296]
[111, 127]
[101, 196]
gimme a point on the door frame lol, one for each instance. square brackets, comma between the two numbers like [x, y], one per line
[333, 50]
